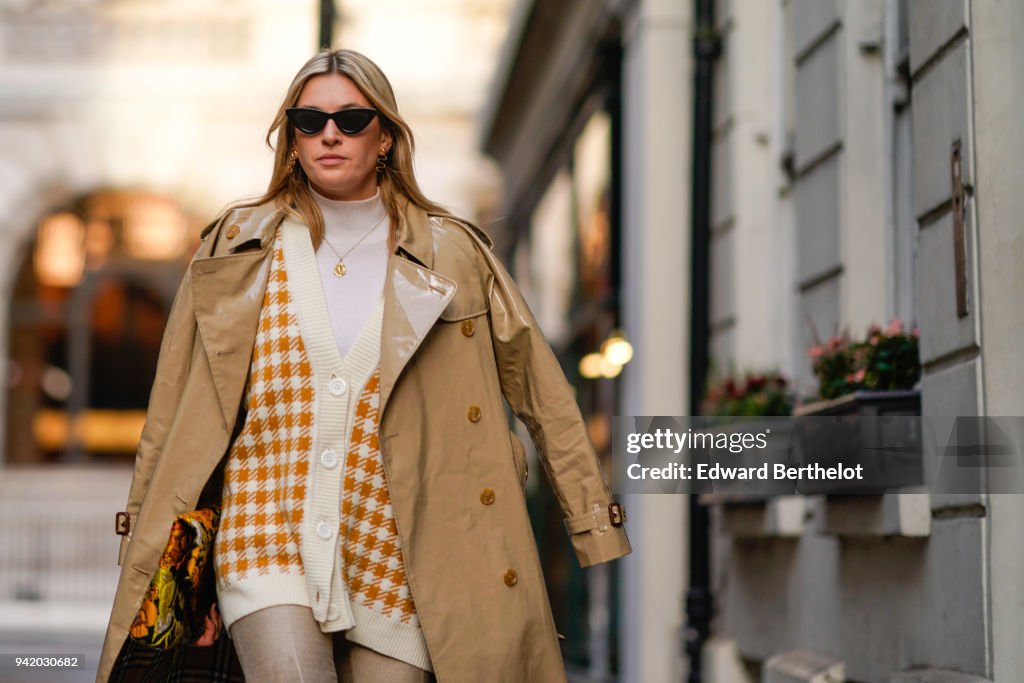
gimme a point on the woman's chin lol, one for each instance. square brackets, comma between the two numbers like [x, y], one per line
[337, 188]
[332, 187]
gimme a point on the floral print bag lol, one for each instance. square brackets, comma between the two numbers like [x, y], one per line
[182, 591]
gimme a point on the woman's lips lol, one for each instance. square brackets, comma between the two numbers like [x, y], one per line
[331, 160]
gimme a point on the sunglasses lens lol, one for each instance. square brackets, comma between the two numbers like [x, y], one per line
[309, 121]
[352, 121]
[312, 121]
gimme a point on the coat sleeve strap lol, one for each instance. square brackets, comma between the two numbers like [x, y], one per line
[601, 517]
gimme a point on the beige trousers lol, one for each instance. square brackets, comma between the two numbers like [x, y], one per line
[284, 644]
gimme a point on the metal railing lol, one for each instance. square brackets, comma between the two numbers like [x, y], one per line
[57, 541]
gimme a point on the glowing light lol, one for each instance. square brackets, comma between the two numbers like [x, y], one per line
[155, 229]
[616, 349]
[609, 369]
[590, 365]
[60, 252]
[96, 430]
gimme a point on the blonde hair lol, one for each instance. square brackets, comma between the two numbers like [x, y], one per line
[288, 184]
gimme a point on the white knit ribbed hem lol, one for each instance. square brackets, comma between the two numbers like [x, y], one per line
[388, 637]
[404, 642]
[246, 595]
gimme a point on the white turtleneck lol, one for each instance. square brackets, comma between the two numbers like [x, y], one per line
[351, 297]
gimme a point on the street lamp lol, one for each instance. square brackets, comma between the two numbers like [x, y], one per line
[615, 352]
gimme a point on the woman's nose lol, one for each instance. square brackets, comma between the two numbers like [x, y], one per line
[331, 134]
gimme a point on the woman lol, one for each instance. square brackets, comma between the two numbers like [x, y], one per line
[332, 375]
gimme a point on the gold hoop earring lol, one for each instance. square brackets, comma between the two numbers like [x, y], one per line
[382, 160]
[292, 158]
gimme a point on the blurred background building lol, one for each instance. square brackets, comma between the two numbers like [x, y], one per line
[730, 181]
[679, 186]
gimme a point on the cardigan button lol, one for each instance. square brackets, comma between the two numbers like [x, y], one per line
[329, 459]
[468, 328]
[487, 496]
[473, 413]
[511, 578]
[232, 232]
[332, 613]
[338, 386]
[324, 529]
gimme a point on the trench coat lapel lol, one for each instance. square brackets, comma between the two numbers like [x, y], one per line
[228, 295]
[414, 297]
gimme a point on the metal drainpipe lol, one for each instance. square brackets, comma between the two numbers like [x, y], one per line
[328, 12]
[706, 48]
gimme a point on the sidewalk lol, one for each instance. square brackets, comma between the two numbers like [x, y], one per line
[58, 566]
[51, 629]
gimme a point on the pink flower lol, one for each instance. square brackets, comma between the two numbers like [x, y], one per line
[914, 332]
[835, 343]
[815, 351]
[895, 327]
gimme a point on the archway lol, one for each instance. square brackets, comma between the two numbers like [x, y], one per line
[87, 311]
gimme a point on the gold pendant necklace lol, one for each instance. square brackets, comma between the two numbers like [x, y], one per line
[339, 267]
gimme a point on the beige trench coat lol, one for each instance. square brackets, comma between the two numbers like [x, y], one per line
[456, 338]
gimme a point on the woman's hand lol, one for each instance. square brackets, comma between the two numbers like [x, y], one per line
[211, 628]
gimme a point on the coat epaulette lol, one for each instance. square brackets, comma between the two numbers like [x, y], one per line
[471, 228]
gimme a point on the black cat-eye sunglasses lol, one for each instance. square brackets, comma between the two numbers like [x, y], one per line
[312, 121]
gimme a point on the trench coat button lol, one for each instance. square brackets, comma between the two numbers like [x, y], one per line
[511, 578]
[473, 413]
[232, 232]
[324, 529]
[338, 386]
[487, 496]
[468, 328]
[329, 459]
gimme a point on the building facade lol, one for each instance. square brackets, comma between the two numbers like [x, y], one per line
[863, 158]
[853, 185]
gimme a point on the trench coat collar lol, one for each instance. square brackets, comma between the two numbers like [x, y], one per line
[228, 295]
[256, 225]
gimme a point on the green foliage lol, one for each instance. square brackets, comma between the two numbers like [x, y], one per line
[887, 359]
[753, 395]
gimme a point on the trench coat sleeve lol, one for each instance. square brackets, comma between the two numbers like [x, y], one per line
[536, 389]
[172, 369]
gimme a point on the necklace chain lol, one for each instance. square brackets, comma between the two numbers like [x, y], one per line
[339, 267]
